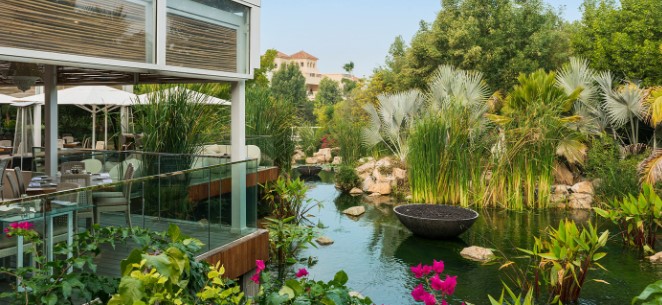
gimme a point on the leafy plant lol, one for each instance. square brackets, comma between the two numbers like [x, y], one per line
[50, 282]
[515, 299]
[624, 105]
[639, 218]
[287, 198]
[617, 176]
[652, 294]
[346, 127]
[307, 291]
[346, 178]
[562, 260]
[286, 240]
[310, 139]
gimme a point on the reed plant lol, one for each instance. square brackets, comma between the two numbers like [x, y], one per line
[346, 128]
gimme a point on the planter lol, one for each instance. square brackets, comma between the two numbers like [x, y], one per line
[309, 170]
[435, 221]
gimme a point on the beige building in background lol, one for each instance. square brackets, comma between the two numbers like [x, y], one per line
[308, 65]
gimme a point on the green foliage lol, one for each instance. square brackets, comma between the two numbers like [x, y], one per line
[501, 39]
[271, 121]
[307, 291]
[288, 85]
[535, 120]
[49, 283]
[164, 275]
[309, 139]
[652, 294]
[345, 129]
[287, 198]
[329, 92]
[639, 218]
[618, 177]
[623, 36]
[286, 240]
[346, 178]
[514, 299]
[561, 260]
[266, 65]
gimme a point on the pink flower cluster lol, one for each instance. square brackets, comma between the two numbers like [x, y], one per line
[444, 288]
[302, 272]
[259, 265]
[23, 225]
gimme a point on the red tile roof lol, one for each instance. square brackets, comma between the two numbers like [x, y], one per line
[302, 55]
[282, 55]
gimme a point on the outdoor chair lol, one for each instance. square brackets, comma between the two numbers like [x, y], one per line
[60, 143]
[3, 166]
[100, 145]
[115, 201]
[13, 185]
[68, 139]
[20, 181]
[67, 167]
[93, 166]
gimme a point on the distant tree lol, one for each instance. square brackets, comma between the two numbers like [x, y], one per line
[501, 38]
[329, 92]
[266, 65]
[624, 39]
[348, 86]
[349, 67]
[289, 85]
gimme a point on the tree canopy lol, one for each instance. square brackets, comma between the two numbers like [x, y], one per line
[329, 92]
[289, 85]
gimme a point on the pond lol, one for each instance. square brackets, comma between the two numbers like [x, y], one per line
[376, 252]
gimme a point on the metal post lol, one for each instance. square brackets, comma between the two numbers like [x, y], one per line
[94, 129]
[50, 94]
[238, 153]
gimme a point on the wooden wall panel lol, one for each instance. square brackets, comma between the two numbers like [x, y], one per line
[239, 256]
[202, 191]
[113, 29]
[198, 44]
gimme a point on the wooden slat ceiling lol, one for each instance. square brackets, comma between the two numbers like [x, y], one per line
[83, 76]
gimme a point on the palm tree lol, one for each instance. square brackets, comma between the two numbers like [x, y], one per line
[391, 120]
[623, 105]
[578, 75]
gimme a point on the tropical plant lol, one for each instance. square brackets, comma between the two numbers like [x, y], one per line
[286, 240]
[617, 176]
[654, 114]
[309, 139]
[623, 105]
[307, 291]
[639, 218]
[534, 129]
[390, 121]
[447, 156]
[515, 299]
[345, 128]
[652, 294]
[577, 74]
[287, 198]
[562, 260]
[270, 121]
[346, 178]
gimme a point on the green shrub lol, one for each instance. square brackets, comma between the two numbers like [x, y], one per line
[639, 218]
[346, 178]
[310, 139]
[618, 177]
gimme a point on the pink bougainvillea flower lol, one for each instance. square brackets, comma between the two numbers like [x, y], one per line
[419, 271]
[302, 272]
[25, 225]
[436, 283]
[437, 266]
[256, 278]
[419, 293]
[448, 285]
[429, 299]
[443, 302]
[260, 265]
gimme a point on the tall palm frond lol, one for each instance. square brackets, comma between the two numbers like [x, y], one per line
[621, 105]
[650, 169]
[577, 74]
[572, 149]
[448, 84]
[390, 120]
[654, 106]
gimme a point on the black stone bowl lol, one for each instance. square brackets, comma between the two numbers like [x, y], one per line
[434, 220]
[308, 170]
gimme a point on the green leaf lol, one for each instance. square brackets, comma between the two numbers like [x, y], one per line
[340, 278]
[295, 285]
[287, 291]
[599, 255]
[66, 289]
[134, 258]
[50, 299]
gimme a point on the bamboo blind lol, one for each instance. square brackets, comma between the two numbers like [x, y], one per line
[198, 44]
[112, 29]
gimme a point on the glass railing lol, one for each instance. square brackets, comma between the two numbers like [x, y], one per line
[209, 198]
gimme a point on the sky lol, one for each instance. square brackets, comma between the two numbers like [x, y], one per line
[361, 31]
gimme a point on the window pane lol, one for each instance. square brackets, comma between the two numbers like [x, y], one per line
[114, 29]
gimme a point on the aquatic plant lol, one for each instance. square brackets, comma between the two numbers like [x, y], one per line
[652, 294]
[433, 290]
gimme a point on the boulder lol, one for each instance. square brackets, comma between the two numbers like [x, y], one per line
[367, 183]
[355, 191]
[326, 154]
[375, 194]
[386, 162]
[298, 155]
[580, 201]
[478, 254]
[324, 241]
[355, 211]
[558, 198]
[337, 160]
[311, 160]
[321, 159]
[561, 189]
[584, 187]
[366, 167]
[562, 174]
[399, 174]
[381, 187]
[656, 258]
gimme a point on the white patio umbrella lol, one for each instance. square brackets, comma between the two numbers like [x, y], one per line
[93, 99]
[143, 99]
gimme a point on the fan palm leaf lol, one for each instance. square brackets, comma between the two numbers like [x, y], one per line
[572, 149]
[650, 169]
[654, 106]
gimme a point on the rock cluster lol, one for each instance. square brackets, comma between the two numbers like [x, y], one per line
[577, 196]
[380, 176]
[322, 156]
[656, 258]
